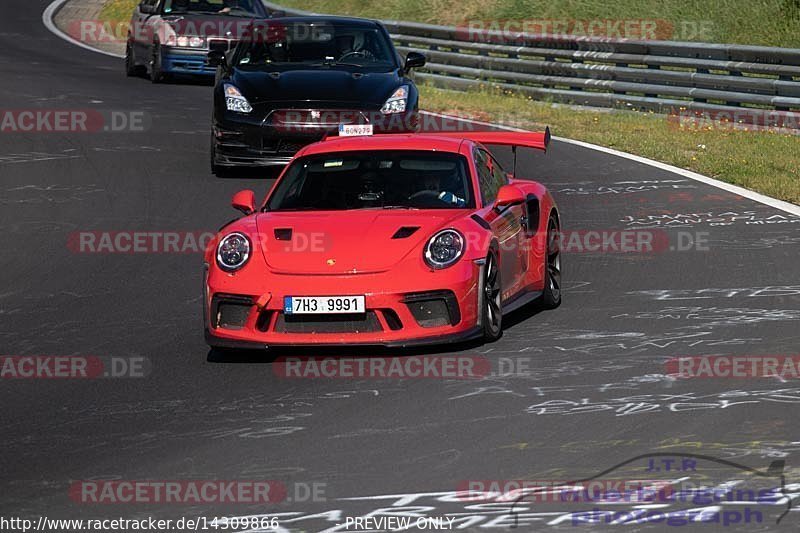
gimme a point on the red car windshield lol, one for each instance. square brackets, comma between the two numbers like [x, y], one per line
[400, 179]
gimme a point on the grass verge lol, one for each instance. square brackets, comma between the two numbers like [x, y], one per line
[763, 22]
[117, 11]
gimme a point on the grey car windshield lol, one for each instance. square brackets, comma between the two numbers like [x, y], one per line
[391, 179]
[276, 44]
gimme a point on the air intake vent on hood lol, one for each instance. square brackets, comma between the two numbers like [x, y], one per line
[405, 231]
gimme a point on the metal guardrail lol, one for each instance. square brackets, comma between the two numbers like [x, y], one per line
[662, 76]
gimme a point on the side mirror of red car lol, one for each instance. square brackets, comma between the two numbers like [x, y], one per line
[244, 201]
[508, 195]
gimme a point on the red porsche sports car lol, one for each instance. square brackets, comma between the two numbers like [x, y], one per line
[390, 240]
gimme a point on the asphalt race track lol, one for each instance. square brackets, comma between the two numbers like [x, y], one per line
[593, 394]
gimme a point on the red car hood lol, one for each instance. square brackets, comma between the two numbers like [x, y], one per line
[350, 242]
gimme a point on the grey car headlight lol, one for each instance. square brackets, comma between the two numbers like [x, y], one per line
[235, 100]
[397, 102]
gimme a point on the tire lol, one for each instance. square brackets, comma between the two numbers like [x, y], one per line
[131, 68]
[156, 74]
[492, 305]
[218, 170]
[223, 172]
[551, 292]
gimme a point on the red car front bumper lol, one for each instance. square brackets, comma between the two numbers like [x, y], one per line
[441, 307]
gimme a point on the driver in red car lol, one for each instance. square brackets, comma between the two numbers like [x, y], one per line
[433, 183]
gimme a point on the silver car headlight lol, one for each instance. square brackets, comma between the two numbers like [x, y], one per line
[397, 102]
[233, 251]
[235, 101]
[190, 41]
[444, 248]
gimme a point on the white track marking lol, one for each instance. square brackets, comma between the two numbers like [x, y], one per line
[735, 189]
[47, 18]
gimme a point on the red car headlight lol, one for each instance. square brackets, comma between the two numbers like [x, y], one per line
[444, 249]
[233, 251]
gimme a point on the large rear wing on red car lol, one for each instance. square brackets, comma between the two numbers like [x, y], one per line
[515, 139]
[537, 139]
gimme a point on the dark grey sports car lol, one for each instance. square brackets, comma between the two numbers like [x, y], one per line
[292, 81]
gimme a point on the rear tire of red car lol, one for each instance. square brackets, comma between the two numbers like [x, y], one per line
[551, 294]
[492, 312]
